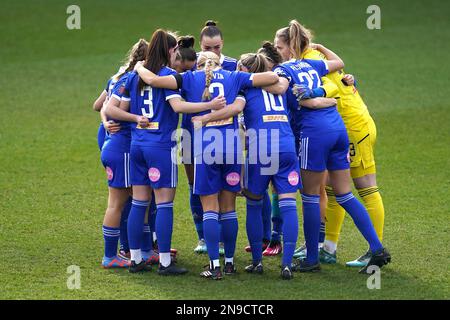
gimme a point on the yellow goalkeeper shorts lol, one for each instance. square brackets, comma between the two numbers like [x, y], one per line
[362, 144]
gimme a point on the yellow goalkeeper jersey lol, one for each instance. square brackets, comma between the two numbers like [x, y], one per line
[350, 104]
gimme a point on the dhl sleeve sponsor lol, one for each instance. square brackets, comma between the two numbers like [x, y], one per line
[220, 122]
[275, 118]
[151, 126]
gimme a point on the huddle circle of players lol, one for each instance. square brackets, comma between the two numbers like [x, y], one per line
[290, 102]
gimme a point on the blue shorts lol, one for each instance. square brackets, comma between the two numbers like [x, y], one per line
[152, 166]
[101, 135]
[286, 179]
[187, 146]
[212, 178]
[328, 151]
[117, 167]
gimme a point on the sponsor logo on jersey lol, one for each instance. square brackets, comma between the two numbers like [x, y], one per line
[151, 126]
[275, 118]
[109, 173]
[293, 178]
[233, 178]
[154, 174]
[220, 122]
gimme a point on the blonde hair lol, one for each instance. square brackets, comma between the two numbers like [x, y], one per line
[209, 61]
[297, 37]
[254, 62]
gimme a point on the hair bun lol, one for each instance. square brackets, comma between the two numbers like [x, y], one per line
[186, 41]
[267, 45]
[210, 23]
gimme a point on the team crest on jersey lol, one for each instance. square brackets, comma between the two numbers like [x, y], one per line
[122, 90]
[109, 173]
[293, 178]
[233, 178]
[154, 174]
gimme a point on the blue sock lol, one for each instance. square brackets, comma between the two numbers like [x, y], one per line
[136, 223]
[197, 212]
[266, 216]
[164, 226]
[230, 228]
[311, 226]
[288, 211]
[277, 228]
[211, 231]
[322, 232]
[152, 205]
[123, 226]
[361, 219]
[152, 218]
[147, 243]
[111, 237]
[254, 226]
[221, 239]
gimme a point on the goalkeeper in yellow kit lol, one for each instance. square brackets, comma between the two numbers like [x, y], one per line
[362, 135]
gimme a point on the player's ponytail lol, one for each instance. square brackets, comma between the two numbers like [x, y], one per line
[208, 61]
[208, 77]
[254, 62]
[210, 30]
[270, 52]
[296, 36]
[299, 38]
[157, 54]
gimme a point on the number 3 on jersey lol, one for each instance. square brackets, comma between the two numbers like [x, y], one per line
[147, 95]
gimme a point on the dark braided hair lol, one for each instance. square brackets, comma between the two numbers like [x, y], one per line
[270, 52]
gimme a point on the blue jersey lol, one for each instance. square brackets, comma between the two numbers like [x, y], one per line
[103, 135]
[119, 141]
[152, 103]
[110, 85]
[225, 83]
[309, 73]
[264, 110]
[228, 63]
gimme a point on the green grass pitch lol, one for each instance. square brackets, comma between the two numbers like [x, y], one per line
[52, 186]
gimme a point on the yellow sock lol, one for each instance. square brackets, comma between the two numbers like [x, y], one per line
[374, 205]
[334, 218]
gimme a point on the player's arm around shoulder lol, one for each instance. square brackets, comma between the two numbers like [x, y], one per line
[166, 82]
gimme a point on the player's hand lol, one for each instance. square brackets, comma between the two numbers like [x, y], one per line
[199, 121]
[111, 126]
[348, 79]
[301, 92]
[315, 46]
[142, 122]
[138, 65]
[218, 103]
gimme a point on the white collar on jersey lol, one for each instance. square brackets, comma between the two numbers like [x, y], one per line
[222, 57]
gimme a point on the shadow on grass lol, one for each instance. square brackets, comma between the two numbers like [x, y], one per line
[333, 282]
